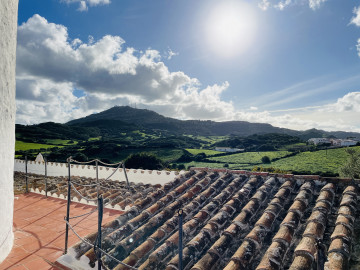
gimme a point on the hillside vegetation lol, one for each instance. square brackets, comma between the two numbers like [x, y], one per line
[115, 134]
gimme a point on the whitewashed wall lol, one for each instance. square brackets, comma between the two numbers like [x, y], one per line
[8, 27]
[61, 169]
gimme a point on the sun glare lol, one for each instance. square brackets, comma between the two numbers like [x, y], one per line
[230, 28]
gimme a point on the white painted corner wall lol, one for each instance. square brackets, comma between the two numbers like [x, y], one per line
[8, 28]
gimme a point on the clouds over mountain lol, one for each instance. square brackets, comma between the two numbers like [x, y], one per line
[52, 69]
[107, 72]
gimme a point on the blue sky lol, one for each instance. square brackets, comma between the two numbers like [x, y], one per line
[290, 63]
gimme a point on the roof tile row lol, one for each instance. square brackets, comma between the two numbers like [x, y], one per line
[235, 221]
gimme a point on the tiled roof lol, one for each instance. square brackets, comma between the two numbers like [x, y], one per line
[116, 194]
[233, 220]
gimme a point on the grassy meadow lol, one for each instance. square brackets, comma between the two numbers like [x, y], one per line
[24, 146]
[322, 161]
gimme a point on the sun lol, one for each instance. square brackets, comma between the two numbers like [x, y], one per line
[230, 28]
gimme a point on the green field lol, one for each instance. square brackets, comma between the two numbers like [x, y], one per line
[23, 146]
[310, 162]
[203, 164]
[249, 157]
[60, 142]
[94, 139]
[205, 151]
[320, 161]
[293, 146]
[208, 139]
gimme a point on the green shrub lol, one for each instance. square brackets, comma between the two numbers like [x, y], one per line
[266, 160]
[144, 161]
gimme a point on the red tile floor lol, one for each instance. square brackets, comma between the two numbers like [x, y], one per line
[39, 230]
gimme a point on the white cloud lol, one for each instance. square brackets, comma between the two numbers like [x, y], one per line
[44, 50]
[315, 4]
[83, 4]
[264, 4]
[356, 19]
[283, 4]
[340, 115]
[170, 54]
[42, 100]
[348, 103]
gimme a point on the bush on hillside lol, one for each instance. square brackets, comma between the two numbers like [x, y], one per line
[265, 160]
[144, 161]
[352, 166]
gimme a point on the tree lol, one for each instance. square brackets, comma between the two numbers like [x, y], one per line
[352, 166]
[144, 161]
[266, 160]
[185, 158]
[181, 167]
[80, 157]
[199, 157]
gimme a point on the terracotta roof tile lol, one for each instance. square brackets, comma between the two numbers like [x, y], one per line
[284, 235]
[301, 262]
[335, 262]
[273, 257]
[231, 220]
[314, 230]
[339, 245]
[342, 232]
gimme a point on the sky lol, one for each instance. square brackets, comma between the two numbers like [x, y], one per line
[290, 63]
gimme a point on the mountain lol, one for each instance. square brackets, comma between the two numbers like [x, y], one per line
[125, 117]
[147, 119]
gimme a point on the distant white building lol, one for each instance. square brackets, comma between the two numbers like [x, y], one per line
[348, 142]
[317, 141]
[336, 142]
[333, 142]
[228, 149]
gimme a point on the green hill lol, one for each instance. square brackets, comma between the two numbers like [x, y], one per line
[150, 120]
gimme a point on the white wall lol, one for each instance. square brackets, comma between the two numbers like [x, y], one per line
[8, 27]
[134, 175]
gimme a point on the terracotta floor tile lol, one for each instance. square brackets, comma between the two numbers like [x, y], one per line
[6, 264]
[38, 263]
[39, 230]
[18, 267]
[20, 223]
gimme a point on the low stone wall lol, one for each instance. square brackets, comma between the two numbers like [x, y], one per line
[61, 169]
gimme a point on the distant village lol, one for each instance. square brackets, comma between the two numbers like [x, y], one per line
[333, 142]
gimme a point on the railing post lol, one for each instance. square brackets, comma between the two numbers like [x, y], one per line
[26, 175]
[97, 178]
[100, 217]
[68, 206]
[180, 213]
[127, 180]
[45, 160]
